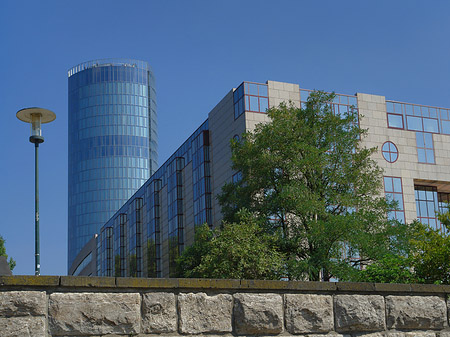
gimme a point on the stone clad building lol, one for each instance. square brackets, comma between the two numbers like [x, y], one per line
[151, 229]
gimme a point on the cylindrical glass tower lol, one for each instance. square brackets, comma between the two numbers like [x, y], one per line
[112, 141]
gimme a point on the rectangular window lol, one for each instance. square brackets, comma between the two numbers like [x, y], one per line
[394, 192]
[417, 117]
[425, 148]
[428, 202]
[395, 121]
[340, 105]
[250, 97]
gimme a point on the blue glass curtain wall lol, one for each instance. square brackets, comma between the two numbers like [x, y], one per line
[157, 206]
[112, 142]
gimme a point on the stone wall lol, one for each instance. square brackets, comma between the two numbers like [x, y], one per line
[92, 306]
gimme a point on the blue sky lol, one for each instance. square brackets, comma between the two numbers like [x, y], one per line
[199, 50]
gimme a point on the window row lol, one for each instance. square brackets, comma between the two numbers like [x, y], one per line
[112, 100]
[417, 118]
[108, 195]
[99, 165]
[109, 110]
[111, 88]
[108, 130]
[103, 120]
[108, 74]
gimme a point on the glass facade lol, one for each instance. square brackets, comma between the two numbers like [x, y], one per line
[137, 236]
[112, 142]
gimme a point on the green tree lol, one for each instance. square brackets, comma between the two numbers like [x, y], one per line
[390, 269]
[241, 250]
[11, 261]
[430, 254]
[308, 177]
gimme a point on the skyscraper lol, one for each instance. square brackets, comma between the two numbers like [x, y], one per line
[112, 141]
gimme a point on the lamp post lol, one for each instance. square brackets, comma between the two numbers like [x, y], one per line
[36, 117]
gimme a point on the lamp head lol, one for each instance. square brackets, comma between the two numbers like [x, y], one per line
[36, 117]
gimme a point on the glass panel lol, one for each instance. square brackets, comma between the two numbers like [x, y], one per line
[446, 127]
[397, 185]
[263, 104]
[401, 217]
[263, 90]
[433, 112]
[398, 108]
[414, 123]
[432, 223]
[421, 155]
[388, 184]
[399, 199]
[428, 140]
[419, 139]
[386, 147]
[252, 89]
[416, 109]
[386, 156]
[254, 103]
[423, 208]
[389, 107]
[430, 207]
[430, 156]
[394, 156]
[395, 121]
[408, 109]
[430, 125]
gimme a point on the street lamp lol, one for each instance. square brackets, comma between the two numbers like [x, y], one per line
[36, 117]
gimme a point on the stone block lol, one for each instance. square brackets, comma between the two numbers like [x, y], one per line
[416, 312]
[258, 314]
[26, 326]
[94, 313]
[23, 303]
[308, 313]
[200, 313]
[159, 313]
[359, 312]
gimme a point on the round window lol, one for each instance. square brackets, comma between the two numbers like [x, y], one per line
[390, 152]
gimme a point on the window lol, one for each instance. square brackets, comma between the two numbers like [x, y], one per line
[428, 202]
[341, 104]
[394, 192]
[252, 97]
[417, 117]
[425, 149]
[237, 177]
[390, 152]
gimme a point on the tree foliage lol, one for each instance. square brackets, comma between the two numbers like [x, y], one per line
[427, 259]
[11, 261]
[306, 175]
[430, 255]
[240, 250]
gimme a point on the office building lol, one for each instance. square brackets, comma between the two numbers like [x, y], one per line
[146, 235]
[112, 142]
